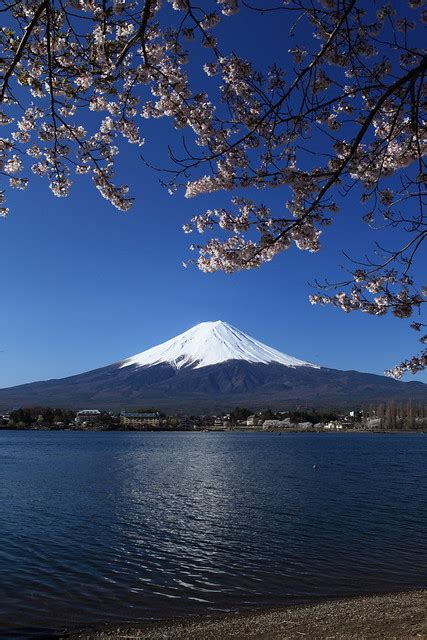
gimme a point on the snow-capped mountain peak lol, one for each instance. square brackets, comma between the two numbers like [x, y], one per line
[210, 343]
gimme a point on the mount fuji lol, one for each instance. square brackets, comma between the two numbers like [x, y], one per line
[212, 367]
[210, 343]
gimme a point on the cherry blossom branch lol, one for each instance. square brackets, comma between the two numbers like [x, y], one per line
[139, 35]
[21, 48]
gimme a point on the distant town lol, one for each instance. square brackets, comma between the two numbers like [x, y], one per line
[381, 417]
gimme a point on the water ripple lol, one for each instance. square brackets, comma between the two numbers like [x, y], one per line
[100, 527]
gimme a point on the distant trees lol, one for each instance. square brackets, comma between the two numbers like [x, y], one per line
[393, 415]
[42, 416]
[314, 416]
[148, 410]
[54, 418]
[301, 415]
[384, 415]
[239, 414]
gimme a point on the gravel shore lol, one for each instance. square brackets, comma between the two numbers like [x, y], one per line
[399, 616]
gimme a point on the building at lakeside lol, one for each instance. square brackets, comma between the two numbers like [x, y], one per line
[334, 425]
[88, 416]
[139, 419]
[4, 419]
[277, 424]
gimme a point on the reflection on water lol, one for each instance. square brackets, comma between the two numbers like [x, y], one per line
[114, 527]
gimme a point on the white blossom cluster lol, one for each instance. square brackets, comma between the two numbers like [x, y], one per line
[414, 365]
[377, 292]
[337, 87]
[119, 60]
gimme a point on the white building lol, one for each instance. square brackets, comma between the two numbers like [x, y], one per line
[333, 426]
[278, 424]
[87, 415]
[139, 419]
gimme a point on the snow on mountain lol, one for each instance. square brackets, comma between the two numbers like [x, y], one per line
[211, 343]
[209, 369]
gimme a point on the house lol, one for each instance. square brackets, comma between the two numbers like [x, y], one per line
[333, 426]
[86, 416]
[251, 421]
[139, 419]
[219, 423]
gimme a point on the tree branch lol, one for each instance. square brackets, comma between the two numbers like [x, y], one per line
[42, 7]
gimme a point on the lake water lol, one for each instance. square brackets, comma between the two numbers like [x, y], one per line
[117, 527]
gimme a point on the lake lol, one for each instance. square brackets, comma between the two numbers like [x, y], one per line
[122, 527]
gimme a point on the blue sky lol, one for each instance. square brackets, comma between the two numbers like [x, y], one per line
[84, 285]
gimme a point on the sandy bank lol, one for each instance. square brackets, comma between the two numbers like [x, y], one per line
[395, 616]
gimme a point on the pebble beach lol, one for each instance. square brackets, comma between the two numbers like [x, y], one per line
[395, 616]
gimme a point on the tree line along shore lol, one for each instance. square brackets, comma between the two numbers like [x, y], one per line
[389, 417]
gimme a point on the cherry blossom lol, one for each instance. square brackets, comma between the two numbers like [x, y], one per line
[79, 77]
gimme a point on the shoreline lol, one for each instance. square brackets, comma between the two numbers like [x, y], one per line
[213, 430]
[395, 616]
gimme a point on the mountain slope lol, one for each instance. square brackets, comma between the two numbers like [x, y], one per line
[212, 367]
[211, 343]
